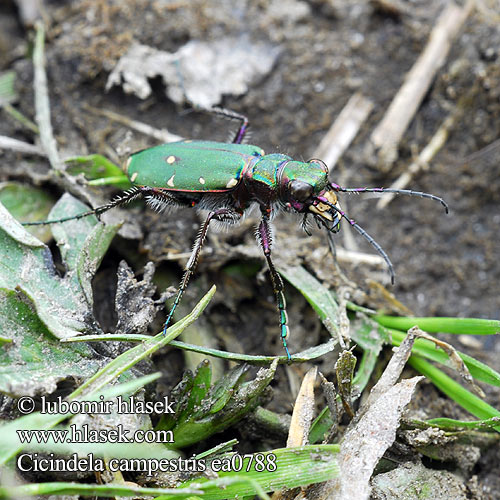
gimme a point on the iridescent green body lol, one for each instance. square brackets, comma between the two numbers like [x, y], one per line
[198, 167]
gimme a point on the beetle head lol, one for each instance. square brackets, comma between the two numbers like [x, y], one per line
[305, 189]
[300, 182]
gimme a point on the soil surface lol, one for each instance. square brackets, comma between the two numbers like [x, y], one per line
[446, 265]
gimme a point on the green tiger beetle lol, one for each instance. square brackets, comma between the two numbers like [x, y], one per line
[227, 179]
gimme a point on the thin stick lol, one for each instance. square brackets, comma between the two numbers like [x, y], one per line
[427, 154]
[42, 104]
[29, 12]
[344, 129]
[348, 256]
[390, 130]
[340, 135]
[42, 118]
[162, 135]
[422, 162]
[20, 146]
[17, 115]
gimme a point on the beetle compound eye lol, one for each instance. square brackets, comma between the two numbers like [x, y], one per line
[300, 190]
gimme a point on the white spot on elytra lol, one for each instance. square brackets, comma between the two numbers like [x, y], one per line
[171, 159]
[232, 182]
[134, 176]
[202, 180]
[170, 182]
[128, 164]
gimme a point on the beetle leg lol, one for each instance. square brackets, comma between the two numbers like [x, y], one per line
[331, 244]
[265, 240]
[221, 215]
[243, 128]
[121, 199]
[305, 225]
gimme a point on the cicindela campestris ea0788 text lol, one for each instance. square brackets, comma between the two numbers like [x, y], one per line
[227, 179]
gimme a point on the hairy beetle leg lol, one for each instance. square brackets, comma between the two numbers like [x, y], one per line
[222, 214]
[265, 240]
[121, 199]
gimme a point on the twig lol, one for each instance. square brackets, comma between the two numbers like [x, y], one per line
[178, 256]
[340, 135]
[455, 361]
[343, 255]
[389, 131]
[29, 11]
[437, 141]
[487, 12]
[42, 118]
[344, 323]
[20, 146]
[17, 115]
[344, 129]
[42, 105]
[422, 162]
[162, 135]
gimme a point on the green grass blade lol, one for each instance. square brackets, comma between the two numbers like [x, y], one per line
[119, 181]
[454, 390]
[98, 170]
[90, 490]
[129, 358]
[451, 424]
[295, 467]
[8, 92]
[306, 355]
[459, 326]
[365, 338]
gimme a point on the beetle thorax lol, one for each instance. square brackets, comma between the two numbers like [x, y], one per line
[261, 178]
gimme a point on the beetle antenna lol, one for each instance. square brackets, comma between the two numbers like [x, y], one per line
[407, 192]
[125, 197]
[365, 235]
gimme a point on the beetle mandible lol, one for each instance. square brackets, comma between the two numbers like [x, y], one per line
[227, 179]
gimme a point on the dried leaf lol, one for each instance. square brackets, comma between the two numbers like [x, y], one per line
[199, 72]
